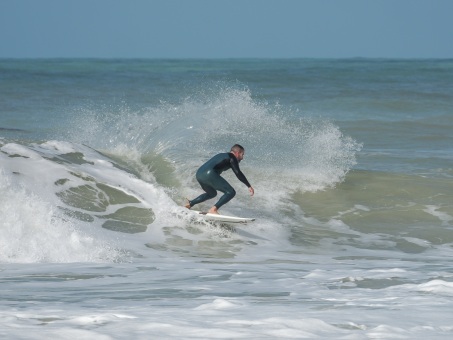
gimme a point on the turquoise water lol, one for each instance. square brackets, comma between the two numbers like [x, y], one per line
[351, 161]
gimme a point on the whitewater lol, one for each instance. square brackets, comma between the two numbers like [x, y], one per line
[351, 165]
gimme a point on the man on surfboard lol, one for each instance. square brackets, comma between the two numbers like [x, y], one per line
[208, 175]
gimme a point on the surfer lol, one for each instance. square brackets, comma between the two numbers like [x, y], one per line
[208, 175]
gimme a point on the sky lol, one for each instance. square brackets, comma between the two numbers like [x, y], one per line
[226, 28]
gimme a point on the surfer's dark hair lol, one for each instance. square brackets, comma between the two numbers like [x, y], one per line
[237, 148]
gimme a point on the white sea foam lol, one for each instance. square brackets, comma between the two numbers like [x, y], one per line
[437, 287]
[444, 217]
[33, 230]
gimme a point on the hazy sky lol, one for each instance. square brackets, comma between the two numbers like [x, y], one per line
[226, 28]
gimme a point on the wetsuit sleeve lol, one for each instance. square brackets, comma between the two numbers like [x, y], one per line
[235, 167]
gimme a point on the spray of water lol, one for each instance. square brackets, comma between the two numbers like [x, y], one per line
[282, 144]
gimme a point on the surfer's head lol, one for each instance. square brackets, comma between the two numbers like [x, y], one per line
[238, 151]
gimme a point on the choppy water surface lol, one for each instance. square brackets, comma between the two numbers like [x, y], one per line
[351, 161]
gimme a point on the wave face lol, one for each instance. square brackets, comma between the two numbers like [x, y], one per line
[122, 171]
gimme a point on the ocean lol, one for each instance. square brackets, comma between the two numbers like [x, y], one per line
[352, 165]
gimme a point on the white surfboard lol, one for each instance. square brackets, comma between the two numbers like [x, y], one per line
[224, 218]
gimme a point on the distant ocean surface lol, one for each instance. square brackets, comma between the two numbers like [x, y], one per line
[352, 165]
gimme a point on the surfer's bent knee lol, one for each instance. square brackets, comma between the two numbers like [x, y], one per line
[230, 193]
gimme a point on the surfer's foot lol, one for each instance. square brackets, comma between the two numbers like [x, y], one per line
[213, 210]
[188, 204]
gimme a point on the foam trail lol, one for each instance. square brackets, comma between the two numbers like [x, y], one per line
[32, 230]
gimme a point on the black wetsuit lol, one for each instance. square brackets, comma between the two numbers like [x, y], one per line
[208, 175]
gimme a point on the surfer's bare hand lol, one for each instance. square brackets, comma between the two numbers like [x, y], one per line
[252, 192]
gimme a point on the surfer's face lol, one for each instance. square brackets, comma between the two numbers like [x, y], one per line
[239, 155]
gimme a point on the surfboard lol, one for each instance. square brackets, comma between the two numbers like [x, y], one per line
[224, 218]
